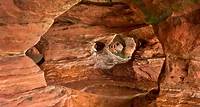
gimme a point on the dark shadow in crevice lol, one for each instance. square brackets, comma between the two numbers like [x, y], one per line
[35, 55]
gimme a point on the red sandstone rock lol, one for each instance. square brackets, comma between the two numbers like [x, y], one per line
[34, 11]
[194, 70]
[179, 36]
[117, 15]
[74, 27]
[148, 69]
[24, 22]
[66, 47]
[41, 97]
[19, 74]
[18, 38]
[29, 19]
[144, 33]
[65, 97]
[182, 46]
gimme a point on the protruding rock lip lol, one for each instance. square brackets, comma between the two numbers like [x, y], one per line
[107, 90]
[100, 89]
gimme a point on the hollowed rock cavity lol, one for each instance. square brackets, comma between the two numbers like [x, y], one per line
[102, 61]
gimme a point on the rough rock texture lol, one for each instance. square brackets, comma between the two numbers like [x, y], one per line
[67, 52]
[19, 74]
[148, 68]
[47, 96]
[61, 96]
[88, 25]
[184, 46]
[73, 33]
[73, 57]
[88, 52]
[179, 35]
[23, 83]
[18, 38]
[22, 23]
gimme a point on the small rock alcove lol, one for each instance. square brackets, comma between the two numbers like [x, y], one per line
[69, 62]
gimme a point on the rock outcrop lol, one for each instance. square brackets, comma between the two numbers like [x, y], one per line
[22, 23]
[98, 53]
[179, 36]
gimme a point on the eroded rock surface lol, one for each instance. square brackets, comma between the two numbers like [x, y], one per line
[100, 51]
[22, 23]
[182, 59]
[79, 45]
[61, 96]
[23, 83]
[19, 74]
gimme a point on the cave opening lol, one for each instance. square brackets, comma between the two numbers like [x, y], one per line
[61, 52]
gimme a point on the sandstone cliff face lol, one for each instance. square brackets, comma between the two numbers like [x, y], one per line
[179, 36]
[22, 25]
[24, 22]
[96, 54]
